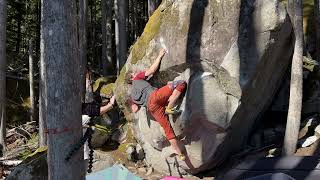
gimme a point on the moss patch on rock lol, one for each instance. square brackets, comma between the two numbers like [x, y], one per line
[121, 82]
[100, 82]
[120, 79]
[152, 28]
[121, 90]
[107, 89]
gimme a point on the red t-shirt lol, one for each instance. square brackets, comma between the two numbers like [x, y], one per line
[140, 76]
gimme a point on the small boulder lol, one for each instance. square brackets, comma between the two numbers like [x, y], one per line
[101, 161]
[119, 136]
[310, 123]
[142, 170]
[149, 171]
[317, 131]
[131, 152]
[308, 141]
[99, 137]
[140, 152]
[36, 168]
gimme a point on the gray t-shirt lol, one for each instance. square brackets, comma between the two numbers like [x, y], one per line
[141, 89]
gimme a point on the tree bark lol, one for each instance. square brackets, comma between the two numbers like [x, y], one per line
[94, 33]
[42, 115]
[152, 6]
[106, 31]
[3, 22]
[317, 21]
[135, 27]
[91, 32]
[295, 101]
[121, 35]
[61, 92]
[107, 36]
[83, 16]
[130, 18]
[38, 29]
[19, 20]
[104, 37]
[31, 82]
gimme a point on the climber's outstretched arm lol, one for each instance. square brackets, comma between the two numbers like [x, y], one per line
[108, 107]
[153, 68]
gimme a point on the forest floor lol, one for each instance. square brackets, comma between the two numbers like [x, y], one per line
[313, 150]
[18, 148]
[139, 168]
[119, 156]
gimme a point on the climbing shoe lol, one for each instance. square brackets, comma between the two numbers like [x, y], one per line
[182, 157]
[173, 110]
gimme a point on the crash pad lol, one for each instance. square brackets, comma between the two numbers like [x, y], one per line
[116, 172]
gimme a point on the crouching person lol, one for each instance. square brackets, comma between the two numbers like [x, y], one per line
[90, 110]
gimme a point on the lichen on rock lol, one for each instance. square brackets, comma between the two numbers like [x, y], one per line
[151, 29]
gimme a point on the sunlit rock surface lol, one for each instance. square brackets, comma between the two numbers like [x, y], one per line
[233, 60]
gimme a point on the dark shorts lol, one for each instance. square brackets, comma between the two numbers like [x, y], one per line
[91, 109]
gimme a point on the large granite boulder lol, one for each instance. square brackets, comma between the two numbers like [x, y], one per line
[232, 53]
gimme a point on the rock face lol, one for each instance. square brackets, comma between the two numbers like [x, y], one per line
[232, 53]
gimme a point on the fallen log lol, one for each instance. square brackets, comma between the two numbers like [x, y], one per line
[25, 129]
[15, 153]
[10, 162]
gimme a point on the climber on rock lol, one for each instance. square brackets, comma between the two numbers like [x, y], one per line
[159, 102]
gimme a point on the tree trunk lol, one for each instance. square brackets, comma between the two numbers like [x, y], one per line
[135, 14]
[130, 22]
[121, 35]
[19, 19]
[295, 101]
[90, 33]
[152, 6]
[3, 22]
[94, 33]
[83, 12]
[107, 36]
[42, 116]
[104, 37]
[31, 82]
[317, 21]
[38, 28]
[61, 90]
[110, 36]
